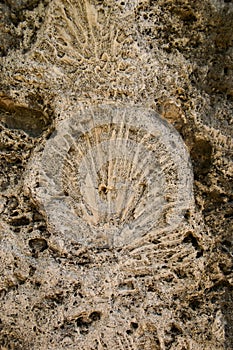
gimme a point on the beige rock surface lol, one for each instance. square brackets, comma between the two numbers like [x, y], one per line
[114, 113]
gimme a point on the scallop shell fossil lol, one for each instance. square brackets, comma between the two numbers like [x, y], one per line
[111, 175]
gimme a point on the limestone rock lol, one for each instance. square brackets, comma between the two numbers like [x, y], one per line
[116, 170]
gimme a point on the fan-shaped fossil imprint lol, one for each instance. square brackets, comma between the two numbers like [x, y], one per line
[111, 175]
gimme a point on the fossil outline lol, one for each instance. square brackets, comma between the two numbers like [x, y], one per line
[104, 139]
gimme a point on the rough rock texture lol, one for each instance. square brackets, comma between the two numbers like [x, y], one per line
[170, 289]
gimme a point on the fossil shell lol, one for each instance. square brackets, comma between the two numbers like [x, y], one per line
[109, 176]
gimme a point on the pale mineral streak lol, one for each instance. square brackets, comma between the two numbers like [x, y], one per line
[116, 175]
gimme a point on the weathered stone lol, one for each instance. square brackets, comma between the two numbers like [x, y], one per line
[69, 70]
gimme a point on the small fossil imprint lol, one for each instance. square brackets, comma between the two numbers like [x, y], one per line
[112, 175]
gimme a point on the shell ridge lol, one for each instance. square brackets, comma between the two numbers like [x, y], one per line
[110, 171]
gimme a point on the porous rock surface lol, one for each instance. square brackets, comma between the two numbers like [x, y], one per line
[116, 174]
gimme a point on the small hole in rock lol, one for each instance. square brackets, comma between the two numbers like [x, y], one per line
[201, 155]
[95, 316]
[227, 243]
[103, 189]
[194, 304]
[199, 254]
[187, 215]
[175, 330]
[191, 239]
[83, 326]
[38, 244]
[134, 325]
